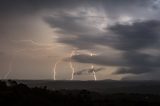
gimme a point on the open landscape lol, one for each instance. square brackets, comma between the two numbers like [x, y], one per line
[80, 52]
[104, 86]
[79, 93]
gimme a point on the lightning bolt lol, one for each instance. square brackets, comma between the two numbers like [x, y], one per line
[71, 64]
[92, 68]
[94, 73]
[55, 67]
[56, 64]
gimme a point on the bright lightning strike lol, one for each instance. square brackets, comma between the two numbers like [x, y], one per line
[71, 65]
[94, 73]
[54, 68]
[92, 68]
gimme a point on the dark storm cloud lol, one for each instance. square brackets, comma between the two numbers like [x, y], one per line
[67, 24]
[129, 39]
[88, 71]
[100, 59]
[128, 59]
[134, 70]
[80, 41]
[137, 59]
[81, 72]
[135, 8]
[95, 70]
[140, 63]
[138, 36]
[31, 6]
[75, 31]
[135, 36]
[17, 12]
[41, 4]
[136, 63]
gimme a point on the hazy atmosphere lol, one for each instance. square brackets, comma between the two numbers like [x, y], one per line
[80, 39]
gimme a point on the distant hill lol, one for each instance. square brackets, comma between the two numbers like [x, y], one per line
[18, 94]
[103, 86]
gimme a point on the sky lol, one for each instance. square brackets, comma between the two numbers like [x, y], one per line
[115, 39]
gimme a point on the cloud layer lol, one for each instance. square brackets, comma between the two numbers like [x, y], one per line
[124, 34]
[129, 35]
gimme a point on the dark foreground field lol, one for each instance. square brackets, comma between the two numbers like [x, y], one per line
[18, 94]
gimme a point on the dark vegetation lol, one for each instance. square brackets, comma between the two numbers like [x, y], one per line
[18, 94]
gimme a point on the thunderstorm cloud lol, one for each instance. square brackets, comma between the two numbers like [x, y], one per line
[124, 34]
